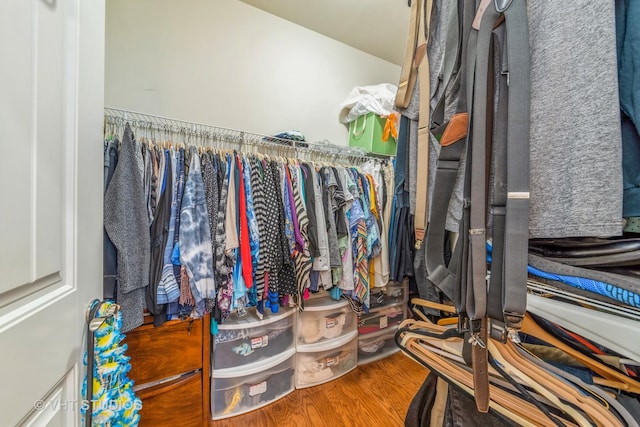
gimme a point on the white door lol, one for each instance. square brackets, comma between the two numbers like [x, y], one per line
[51, 99]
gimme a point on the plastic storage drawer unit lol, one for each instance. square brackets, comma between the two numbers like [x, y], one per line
[236, 391]
[324, 319]
[376, 346]
[393, 293]
[248, 339]
[324, 362]
[383, 318]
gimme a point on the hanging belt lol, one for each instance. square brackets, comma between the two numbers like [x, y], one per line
[422, 175]
[437, 210]
[464, 279]
[476, 303]
[477, 294]
[514, 296]
[409, 69]
[452, 137]
[514, 265]
[499, 204]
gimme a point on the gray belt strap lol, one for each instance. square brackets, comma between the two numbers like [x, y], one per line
[477, 293]
[477, 261]
[514, 297]
[446, 173]
[499, 185]
[442, 276]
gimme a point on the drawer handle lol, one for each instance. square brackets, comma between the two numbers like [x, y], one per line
[169, 386]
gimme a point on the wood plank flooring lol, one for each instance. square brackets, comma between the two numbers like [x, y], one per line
[373, 395]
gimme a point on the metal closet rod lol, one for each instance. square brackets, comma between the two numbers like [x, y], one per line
[235, 136]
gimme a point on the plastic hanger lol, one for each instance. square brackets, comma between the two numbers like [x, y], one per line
[529, 326]
[509, 405]
[557, 387]
[514, 372]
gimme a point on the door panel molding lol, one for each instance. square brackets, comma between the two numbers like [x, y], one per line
[20, 292]
[58, 407]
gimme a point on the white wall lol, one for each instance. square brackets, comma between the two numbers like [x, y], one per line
[226, 63]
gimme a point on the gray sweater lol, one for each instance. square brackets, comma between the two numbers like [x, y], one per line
[127, 224]
[576, 166]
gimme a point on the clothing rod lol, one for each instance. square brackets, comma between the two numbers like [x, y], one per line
[235, 136]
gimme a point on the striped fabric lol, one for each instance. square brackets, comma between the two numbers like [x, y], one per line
[302, 259]
[361, 277]
[359, 242]
[260, 209]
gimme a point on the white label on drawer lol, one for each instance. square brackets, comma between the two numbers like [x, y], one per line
[384, 322]
[254, 390]
[330, 322]
[331, 361]
[258, 342]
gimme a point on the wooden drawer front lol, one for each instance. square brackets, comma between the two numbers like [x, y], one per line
[175, 403]
[172, 349]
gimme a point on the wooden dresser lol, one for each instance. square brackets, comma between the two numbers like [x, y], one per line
[170, 367]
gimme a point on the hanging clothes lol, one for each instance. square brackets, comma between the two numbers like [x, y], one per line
[575, 143]
[347, 280]
[227, 231]
[211, 194]
[195, 236]
[359, 243]
[259, 204]
[331, 206]
[254, 236]
[245, 243]
[290, 218]
[109, 251]
[168, 289]
[242, 275]
[159, 240]
[223, 263]
[283, 276]
[301, 256]
[627, 35]
[310, 197]
[270, 223]
[321, 263]
[179, 309]
[127, 224]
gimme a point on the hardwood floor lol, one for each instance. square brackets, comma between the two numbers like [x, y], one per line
[373, 395]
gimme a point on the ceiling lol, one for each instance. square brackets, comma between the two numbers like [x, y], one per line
[378, 27]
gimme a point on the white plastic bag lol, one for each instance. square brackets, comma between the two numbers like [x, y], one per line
[379, 99]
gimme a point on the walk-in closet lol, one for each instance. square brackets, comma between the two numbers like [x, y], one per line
[361, 213]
